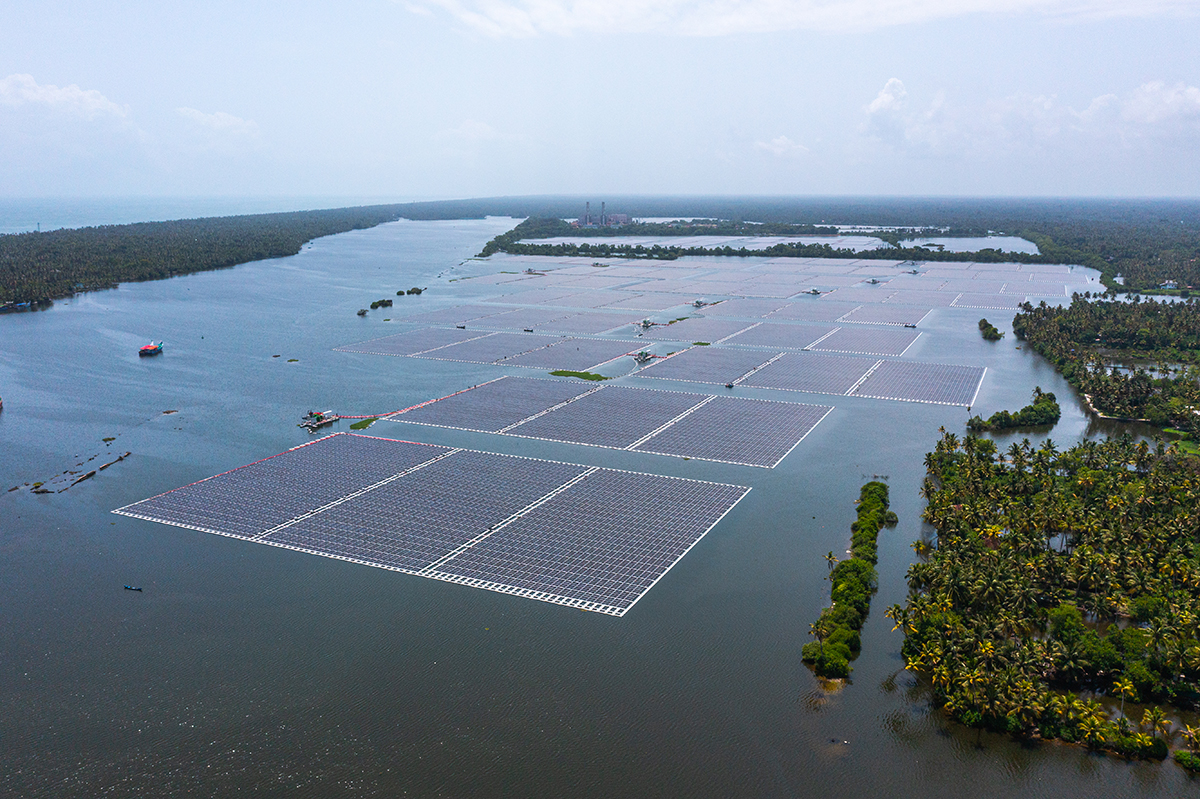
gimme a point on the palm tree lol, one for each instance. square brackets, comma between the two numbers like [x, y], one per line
[1125, 687]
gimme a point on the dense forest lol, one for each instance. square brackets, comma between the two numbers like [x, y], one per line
[852, 584]
[1092, 342]
[1043, 410]
[41, 266]
[1056, 573]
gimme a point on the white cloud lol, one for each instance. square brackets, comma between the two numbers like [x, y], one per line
[523, 18]
[472, 130]
[782, 146]
[23, 90]
[1152, 112]
[221, 124]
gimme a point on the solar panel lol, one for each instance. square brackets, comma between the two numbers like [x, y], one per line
[780, 336]
[887, 314]
[490, 348]
[751, 432]
[589, 323]
[1003, 302]
[861, 294]
[922, 297]
[413, 522]
[648, 302]
[250, 499]
[412, 342]
[456, 315]
[806, 371]
[520, 319]
[813, 309]
[579, 536]
[746, 308]
[864, 341]
[614, 416]
[493, 406]
[706, 365]
[1037, 289]
[923, 382]
[601, 544]
[594, 299]
[575, 354]
[697, 328]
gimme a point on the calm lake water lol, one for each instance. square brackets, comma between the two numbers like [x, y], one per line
[261, 671]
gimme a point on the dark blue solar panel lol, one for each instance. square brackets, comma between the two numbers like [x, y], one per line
[734, 430]
[412, 342]
[496, 405]
[605, 540]
[923, 382]
[412, 522]
[575, 354]
[779, 336]
[805, 371]
[611, 417]
[707, 365]
[254, 498]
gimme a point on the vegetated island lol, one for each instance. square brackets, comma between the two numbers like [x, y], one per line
[989, 331]
[38, 267]
[1104, 346]
[580, 375]
[1056, 573]
[853, 582]
[1042, 411]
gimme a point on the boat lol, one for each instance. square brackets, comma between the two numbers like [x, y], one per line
[315, 420]
[151, 349]
[133, 588]
[909, 324]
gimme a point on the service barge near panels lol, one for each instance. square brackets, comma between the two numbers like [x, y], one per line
[315, 420]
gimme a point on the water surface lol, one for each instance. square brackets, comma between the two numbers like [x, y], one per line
[259, 670]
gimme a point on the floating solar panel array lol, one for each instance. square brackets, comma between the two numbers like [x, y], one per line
[781, 336]
[619, 417]
[496, 405]
[865, 341]
[886, 315]
[491, 348]
[736, 430]
[412, 342]
[696, 328]
[575, 354]
[706, 365]
[584, 537]
[923, 382]
[809, 372]
[812, 309]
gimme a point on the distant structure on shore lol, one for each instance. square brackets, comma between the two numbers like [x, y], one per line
[603, 219]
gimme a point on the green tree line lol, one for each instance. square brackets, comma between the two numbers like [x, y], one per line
[53, 264]
[853, 583]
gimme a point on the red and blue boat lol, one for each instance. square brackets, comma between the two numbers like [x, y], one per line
[151, 349]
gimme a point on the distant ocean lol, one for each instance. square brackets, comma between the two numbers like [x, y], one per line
[21, 215]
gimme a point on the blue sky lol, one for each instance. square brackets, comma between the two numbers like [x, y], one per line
[454, 98]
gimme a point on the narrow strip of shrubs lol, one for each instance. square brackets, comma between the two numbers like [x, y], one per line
[853, 581]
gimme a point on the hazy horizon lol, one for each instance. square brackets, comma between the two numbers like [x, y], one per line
[481, 98]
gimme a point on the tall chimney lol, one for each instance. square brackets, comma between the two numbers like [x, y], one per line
[587, 214]
[603, 215]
